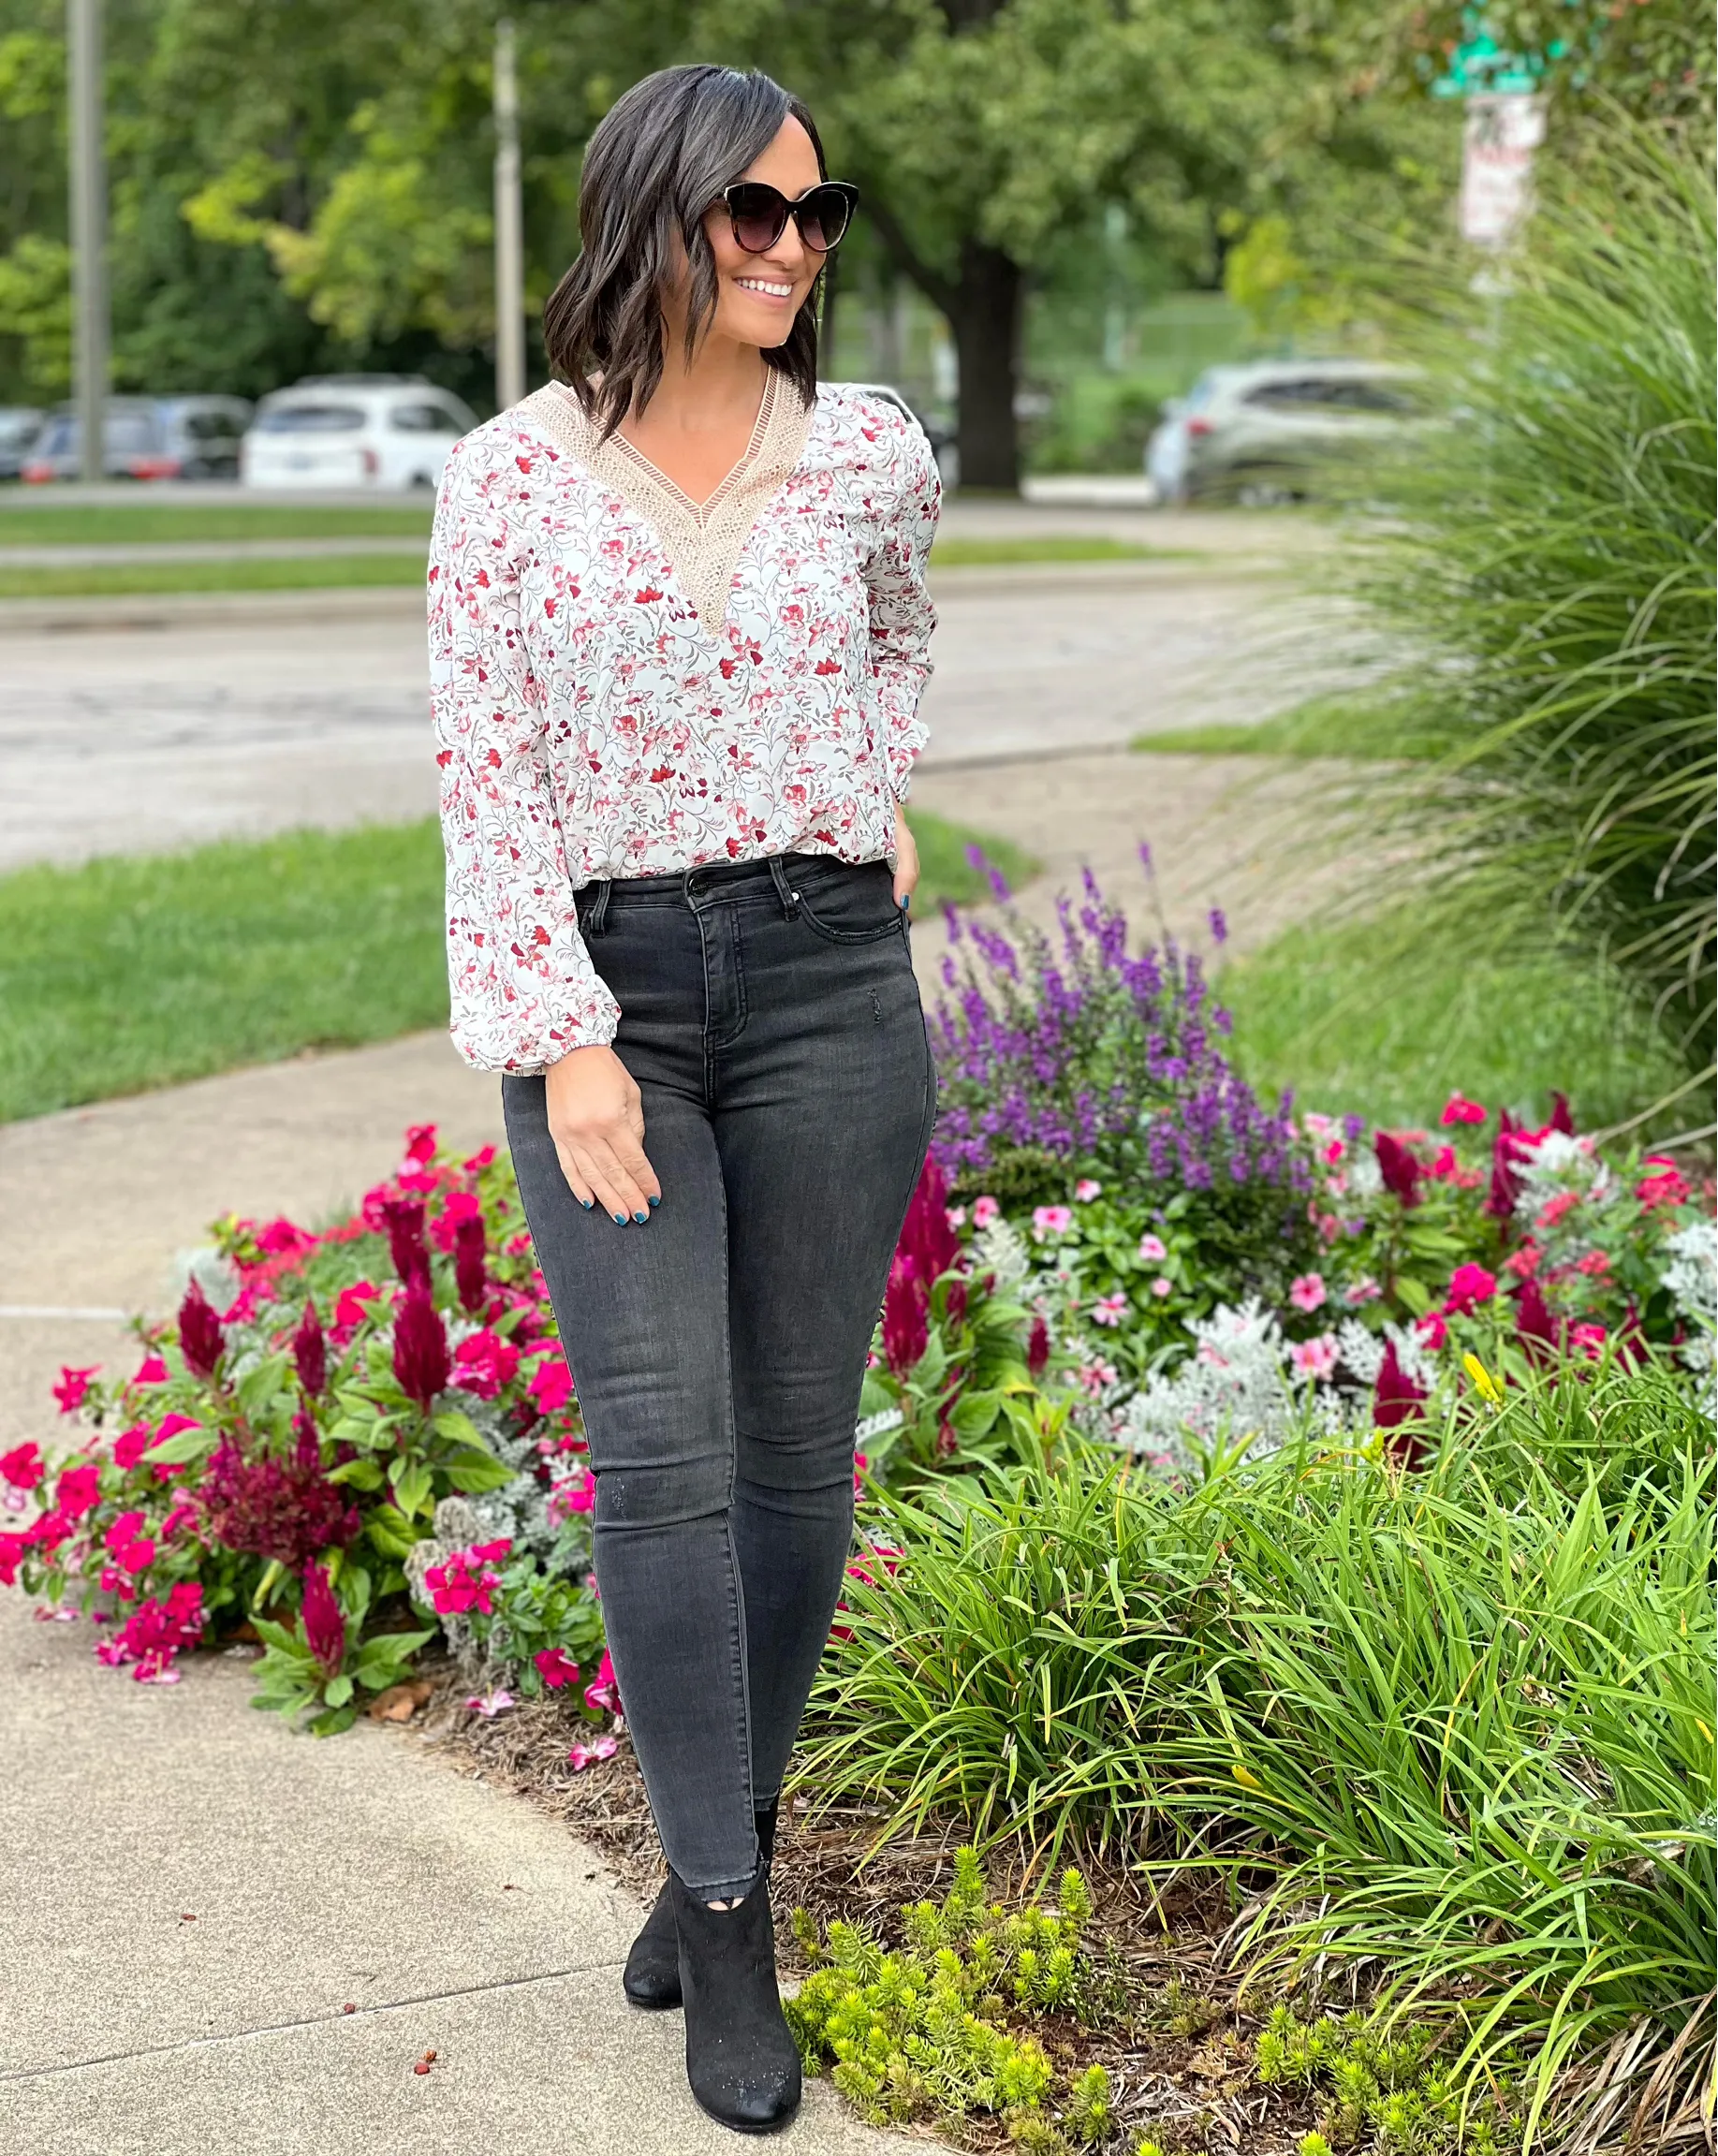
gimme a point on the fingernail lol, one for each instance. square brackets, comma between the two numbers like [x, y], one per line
[587, 1203]
[906, 902]
[640, 1218]
[620, 1219]
[656, 1201]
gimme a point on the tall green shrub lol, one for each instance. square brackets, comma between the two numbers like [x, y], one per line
[1545, 571]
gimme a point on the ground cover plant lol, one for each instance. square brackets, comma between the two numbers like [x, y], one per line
[248, 951]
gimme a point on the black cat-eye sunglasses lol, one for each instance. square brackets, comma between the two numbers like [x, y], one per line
[759, 214]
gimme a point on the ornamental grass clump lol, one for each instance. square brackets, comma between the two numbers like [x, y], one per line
[1545, 571]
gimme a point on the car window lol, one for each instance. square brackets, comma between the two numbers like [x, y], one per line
[131, 433]
[1201, 393]
[310, 419]
[17, 427]
[422, 419]
[1327, 392]
[212, 426]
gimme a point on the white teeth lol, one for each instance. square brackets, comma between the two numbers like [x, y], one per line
[758, 285]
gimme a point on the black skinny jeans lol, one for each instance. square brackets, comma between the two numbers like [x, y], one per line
[771, 1018]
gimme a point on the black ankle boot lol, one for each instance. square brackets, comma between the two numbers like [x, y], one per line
[651, 1976]
[742, 2059]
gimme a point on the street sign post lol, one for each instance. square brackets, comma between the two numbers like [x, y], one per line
[1502, 130]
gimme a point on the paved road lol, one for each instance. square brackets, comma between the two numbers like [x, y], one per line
[213, 719]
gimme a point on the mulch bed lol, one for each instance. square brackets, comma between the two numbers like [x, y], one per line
[1178, 2052]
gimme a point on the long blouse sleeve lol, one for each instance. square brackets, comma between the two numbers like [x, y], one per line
[523, 991]
[905, 509]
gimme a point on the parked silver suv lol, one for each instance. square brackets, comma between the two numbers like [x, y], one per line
[1259, 432]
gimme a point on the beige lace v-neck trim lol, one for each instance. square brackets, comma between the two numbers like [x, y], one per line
[701, 540]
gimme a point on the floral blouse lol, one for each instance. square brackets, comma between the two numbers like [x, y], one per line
[627, 684]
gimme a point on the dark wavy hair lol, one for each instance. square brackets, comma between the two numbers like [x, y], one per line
[659, 158]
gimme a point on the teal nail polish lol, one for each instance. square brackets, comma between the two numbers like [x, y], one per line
[656, 1201]
[640, 1218]
[906, 902]
[620, 1219]
[587, 1203]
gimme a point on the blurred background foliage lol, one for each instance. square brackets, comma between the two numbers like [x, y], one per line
[1073, 205]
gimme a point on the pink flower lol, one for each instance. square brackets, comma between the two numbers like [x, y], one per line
[24, 1467]
[602, 1695]
[171, 1425]
[1469, 1286]
[1523, 1263]
[1590, 1339]
[489, 1704]
[1666, 1188]
[1556, 1207]
[1317, 1125]
[1309, 1292]
[568, 1499]
[458, 1207]
[957, 1215]
[583, 1756]
[554, 1668]
[325, 1624]
[1095, 1378]
[1594, 1265]
[72, 1386]
[155, 1632]
[1152, 1250]
[1445, 1164]
[78, 1491]
[1047, 1220]
[479, 1160]
[421, 1142]
[280, 1236]
[201, 1341]
[1163, 1286]
[1457, 1110]
[151, 1371]
[183, 1515]
[1313, 1359]
[1085, 1190]
[467, 1580]
[350, 1311]
[131, 1445]
[1359, 1291]
[1431, 1331]
[483, 1362]
[552, 1384]
[985, 1209]
[1109, 1310]
[14, 1550]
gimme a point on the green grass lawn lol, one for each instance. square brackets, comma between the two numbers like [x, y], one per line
[1354, 726]
[1371, 1018]
[132, 973]
[28, 523]
[335, 572]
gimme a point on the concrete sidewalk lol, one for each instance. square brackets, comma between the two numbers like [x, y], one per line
[221, 1939]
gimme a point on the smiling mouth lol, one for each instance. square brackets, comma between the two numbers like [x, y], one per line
[765, 289]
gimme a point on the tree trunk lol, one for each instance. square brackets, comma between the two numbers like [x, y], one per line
[985, 317]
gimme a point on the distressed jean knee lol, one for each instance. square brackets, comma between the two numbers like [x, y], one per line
[675, 1493]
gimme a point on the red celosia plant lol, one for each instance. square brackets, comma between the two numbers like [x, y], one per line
[201, 1341]
[282, 1509]
[420, 1347]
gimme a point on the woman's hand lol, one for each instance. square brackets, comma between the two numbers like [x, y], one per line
[907, 860]
[596, 1120]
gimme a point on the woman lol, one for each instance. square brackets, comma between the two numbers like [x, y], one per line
[678, 634]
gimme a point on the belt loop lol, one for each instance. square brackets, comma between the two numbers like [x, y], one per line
[791, 898]
[596, 920]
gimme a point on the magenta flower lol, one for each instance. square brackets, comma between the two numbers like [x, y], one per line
[421, 1347]
[1469, 1286]
[1366, 1289]
[467, 1580]
[352, 1307]
[155, 1632]
[568, 1499]
[483, 1362]
[906, 1317]
[552, 1384]
[1666, 1187]
[1457, 1110]
[200, 1339]
[583, 1756]
[72, 1386]
[1309, 1292]
[151, 1371]
[421, 1142]
[131, 1445]
[1431, 1331]
[309, 1352]
[1315, 1359]
[1398, 1167]
[553, 1666]
[1049, 1220]
[403, 1219]
[325, 1624]
[24, 1467]
[1037, 1349]
[77, 1491]
[470, 1269]
[602, 1695]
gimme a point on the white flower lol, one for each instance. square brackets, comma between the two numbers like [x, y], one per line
[1001, 1249]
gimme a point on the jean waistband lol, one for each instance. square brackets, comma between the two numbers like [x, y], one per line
[778, 875]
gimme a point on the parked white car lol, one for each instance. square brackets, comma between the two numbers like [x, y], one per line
[390, 432]
[1259, 432]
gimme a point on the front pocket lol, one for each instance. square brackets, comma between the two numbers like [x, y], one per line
[859, 909]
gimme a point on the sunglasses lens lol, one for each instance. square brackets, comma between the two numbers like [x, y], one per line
[759, 215]
[823, 218]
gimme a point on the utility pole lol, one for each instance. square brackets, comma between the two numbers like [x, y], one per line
[509, 228]
[89, 236]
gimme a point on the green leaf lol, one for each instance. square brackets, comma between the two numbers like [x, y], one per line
[1414, 1293]
[334, 1721]
[339, 1691]
[259, 1386]
[187, 1445]
[361, 1474]
[278, 1636]
[474, 1472]
[454, 1423]
[412, 1481]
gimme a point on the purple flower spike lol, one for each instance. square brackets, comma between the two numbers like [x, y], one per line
[1219, 926]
